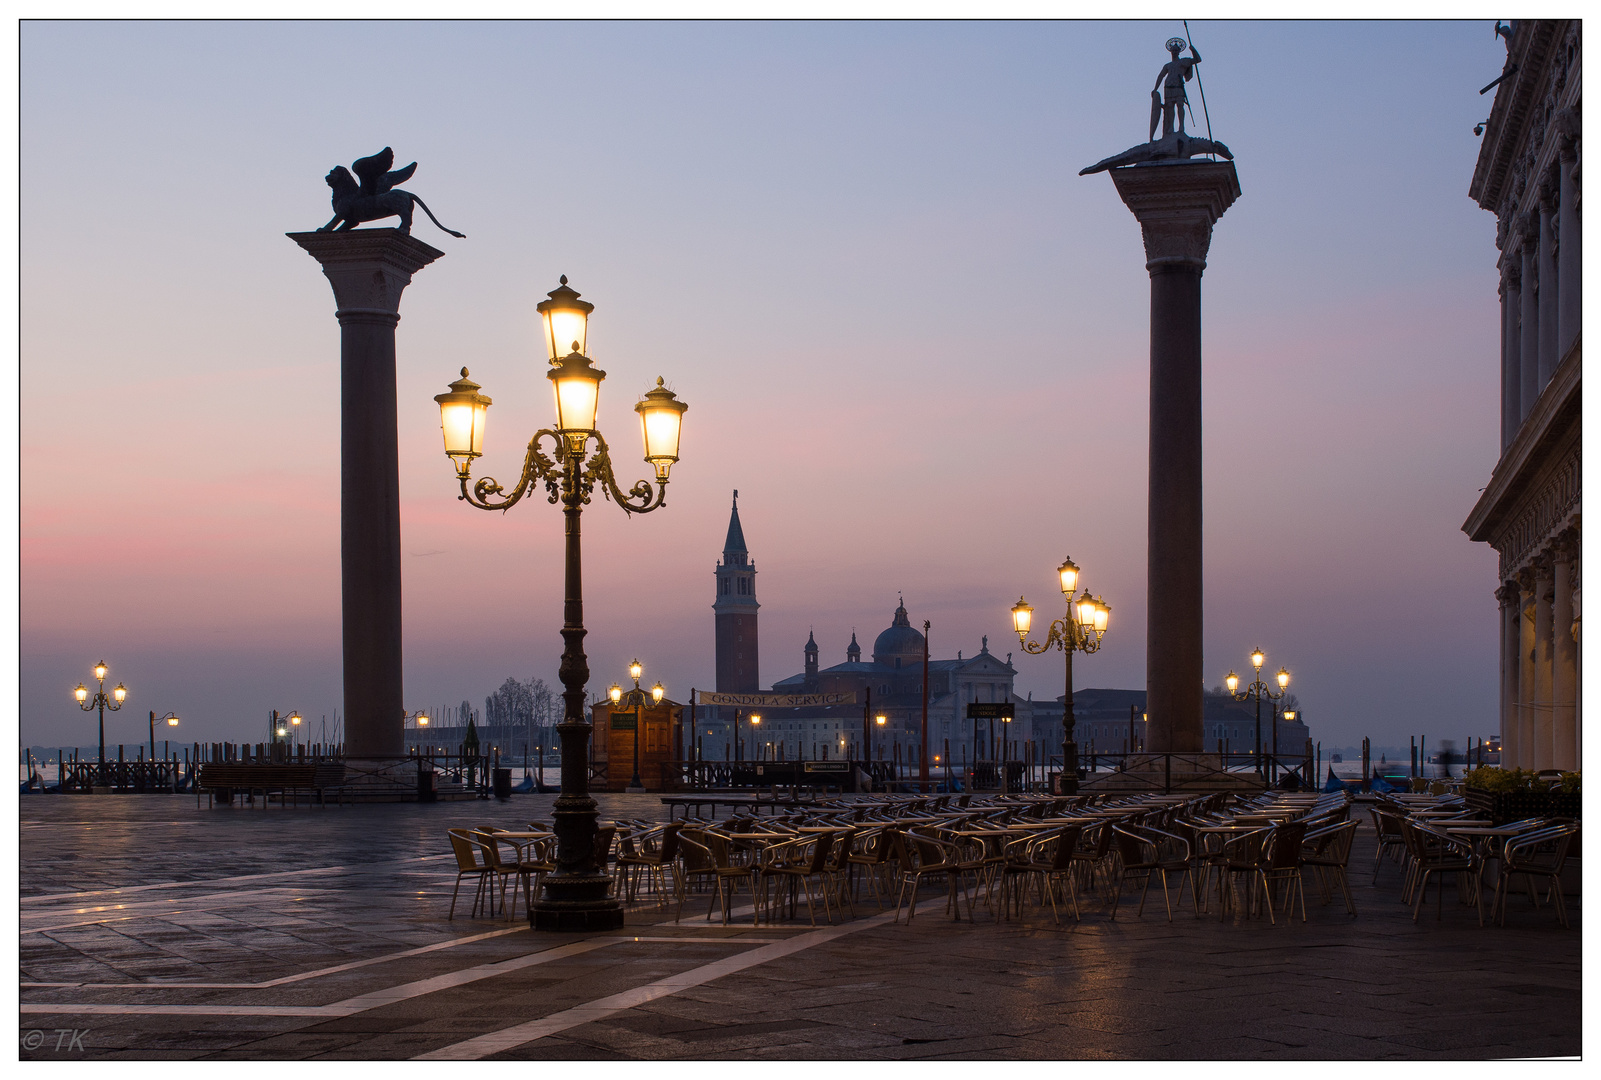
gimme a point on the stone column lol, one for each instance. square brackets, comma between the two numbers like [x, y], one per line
[1508, 595]
[1523, 756]
[1565, 665]
[1569, 246]
[1529, 319]
[1511, 417]
[1176, 204]
[1550, 284]
[1544, 658]
[368, 269]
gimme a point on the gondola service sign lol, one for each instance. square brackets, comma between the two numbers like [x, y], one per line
[776, 701]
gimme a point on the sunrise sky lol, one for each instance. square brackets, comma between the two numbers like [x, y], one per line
[908, 332]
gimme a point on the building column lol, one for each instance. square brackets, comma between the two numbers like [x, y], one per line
[1176, 205]
[1511, 417]
[1544, 658]
[1528, 318]
[1508, 595]
[1523, 758]
[1550, 283]
[368, 269]
[1569, 238]
[1565, 660]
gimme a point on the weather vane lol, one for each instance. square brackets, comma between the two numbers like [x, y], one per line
[1168, 102]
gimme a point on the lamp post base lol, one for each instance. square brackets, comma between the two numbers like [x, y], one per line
[1070, 768]
[577, 904]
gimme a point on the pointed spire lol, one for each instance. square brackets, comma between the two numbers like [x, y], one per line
[853, 651]
[735, 543]
[811, 642]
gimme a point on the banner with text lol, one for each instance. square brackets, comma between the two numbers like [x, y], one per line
[776, 701]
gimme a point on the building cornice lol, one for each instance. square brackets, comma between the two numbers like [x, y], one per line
[1505, 133]
[1529, 450]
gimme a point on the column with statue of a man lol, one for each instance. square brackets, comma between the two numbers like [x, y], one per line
[1177, 198]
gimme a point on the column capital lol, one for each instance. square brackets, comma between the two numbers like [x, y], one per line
[1565, 548]
[1176, 204]
[1529, 230]
[1507, 594]
[1547, 197]
[1568, 131]
[368, 268]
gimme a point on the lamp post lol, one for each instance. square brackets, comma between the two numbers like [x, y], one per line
[576, 894]
[100, 703]
[172, 721]
[1257, 691]
[755, 723]
[279, 730]
[880, 720]
[636, 700]
[1080, 630]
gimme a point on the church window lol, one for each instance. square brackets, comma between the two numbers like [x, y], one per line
[725, 586]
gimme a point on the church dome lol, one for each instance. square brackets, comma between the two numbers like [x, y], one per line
[901, 641]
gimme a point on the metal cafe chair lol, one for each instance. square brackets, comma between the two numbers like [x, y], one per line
[797, 862]
[1328, 852]
[1438, 853]
[1542, 854]
[1144, 851]
[467, 864]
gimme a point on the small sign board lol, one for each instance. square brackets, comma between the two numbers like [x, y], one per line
[990, 710]
[623, 721]
[828, 766]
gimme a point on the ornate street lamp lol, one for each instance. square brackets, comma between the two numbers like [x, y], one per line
[755, 733]
[636, 703]
[100, 703]
[1257, 691]
[172, 721]
[880, 720]
[576, 895]
[1080, 630]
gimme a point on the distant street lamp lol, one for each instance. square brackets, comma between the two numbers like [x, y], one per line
[282, 726]
[636, 702]
[755, 724]
[880, 720]
[172, 721]
[576, 895]
[1080, 630]
[100, 703]
[1257, 691]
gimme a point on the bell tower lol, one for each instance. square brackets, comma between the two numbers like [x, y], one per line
[736, 613]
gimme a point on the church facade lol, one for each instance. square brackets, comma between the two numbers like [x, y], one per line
[889, 683]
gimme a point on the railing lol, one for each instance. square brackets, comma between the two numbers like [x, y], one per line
[121, 776]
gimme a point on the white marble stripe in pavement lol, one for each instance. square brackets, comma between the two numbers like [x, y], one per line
[304, 975]
[507, 1038]
[71, 897]
[347, 1007]
[362, 1002]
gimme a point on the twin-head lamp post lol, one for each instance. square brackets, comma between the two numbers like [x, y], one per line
[576, 895]
[636, 700]
[1080, 630]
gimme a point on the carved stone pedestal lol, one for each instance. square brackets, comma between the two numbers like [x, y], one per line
[1176, 204]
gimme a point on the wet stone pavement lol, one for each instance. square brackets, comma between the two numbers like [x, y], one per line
[153, 929]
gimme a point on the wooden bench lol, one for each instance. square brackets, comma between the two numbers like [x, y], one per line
[219, 777]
